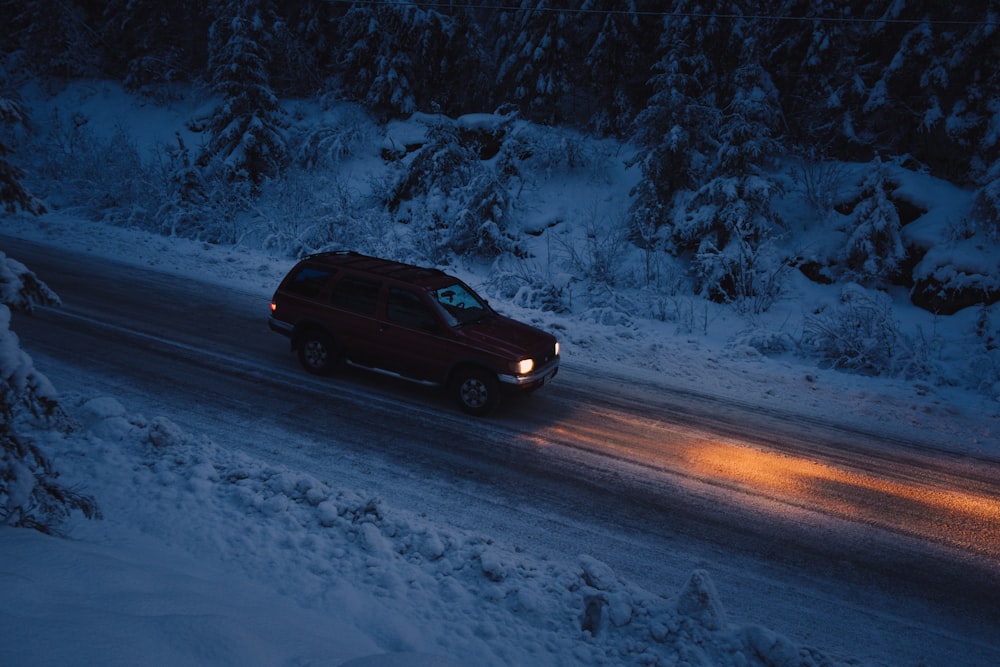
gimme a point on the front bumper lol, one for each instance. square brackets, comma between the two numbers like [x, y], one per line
[533, 379]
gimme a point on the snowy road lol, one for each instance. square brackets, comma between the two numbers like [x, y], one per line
[806, 520]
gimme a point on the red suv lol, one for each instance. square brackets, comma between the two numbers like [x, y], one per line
[410, 322]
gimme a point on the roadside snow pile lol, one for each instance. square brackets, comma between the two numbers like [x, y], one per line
[385, 577]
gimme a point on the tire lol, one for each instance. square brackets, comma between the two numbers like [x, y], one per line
[317, 352]
[476, 390]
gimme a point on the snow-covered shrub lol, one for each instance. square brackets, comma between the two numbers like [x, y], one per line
[527, 286]
[548, 150]
[460, 200]
[20, 288]
[338, 136]
[304, 212]
[820, 184]
[598, 256]
[106, 177]
[746, 272]
[859, 334]
[765, 341]
[230, 212]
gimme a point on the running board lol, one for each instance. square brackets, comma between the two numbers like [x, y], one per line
[392, 374]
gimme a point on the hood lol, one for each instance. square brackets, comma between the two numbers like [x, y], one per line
[506, 337]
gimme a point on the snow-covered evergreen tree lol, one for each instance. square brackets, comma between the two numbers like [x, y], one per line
[709, 135]
[30, 493]
[536, 59]
[51, 37]
[874, 249]
[186, 202]
[247, 140]
[613, 80]
[398, 58]
[13, 194]
[674, 129]
[931, 85]
[155, 42]
[376, 71]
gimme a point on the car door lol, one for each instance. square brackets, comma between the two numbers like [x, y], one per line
[355, 301]
[412, 339]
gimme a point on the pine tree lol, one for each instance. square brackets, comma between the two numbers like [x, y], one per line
[734, 259]
[708, 135]
[51, 37]
[536, 59]
[874, 248]
[247, 139]
[30, 493]
[400, 58]
[816, 64]
[375, 70]
[152, 42]
[13, 194]
[612, 83]
[673, 131]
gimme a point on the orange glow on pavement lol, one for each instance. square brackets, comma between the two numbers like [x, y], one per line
[914, 507]
[908, 500]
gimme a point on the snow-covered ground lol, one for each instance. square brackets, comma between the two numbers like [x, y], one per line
[333, 576]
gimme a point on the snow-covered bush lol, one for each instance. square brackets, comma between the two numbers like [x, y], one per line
[860, 334]
[460, 199]
[30, 494]
[528, 286]
[599, 255]
[820, 184]
[105, 177]
[338, 135]
[304, 212]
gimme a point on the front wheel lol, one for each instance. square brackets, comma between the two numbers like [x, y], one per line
[317, 352]
[476, 390]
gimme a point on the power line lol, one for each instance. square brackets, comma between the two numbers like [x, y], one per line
[991, 19]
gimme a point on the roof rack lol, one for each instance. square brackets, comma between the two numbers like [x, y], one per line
[383, 267]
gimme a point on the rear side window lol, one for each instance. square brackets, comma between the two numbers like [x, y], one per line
[357, 294]
[310, 281]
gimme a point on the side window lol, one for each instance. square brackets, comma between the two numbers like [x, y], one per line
[407, 309]
[357, 294]
[310, 281]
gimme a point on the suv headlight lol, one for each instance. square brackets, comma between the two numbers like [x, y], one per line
[525, 366]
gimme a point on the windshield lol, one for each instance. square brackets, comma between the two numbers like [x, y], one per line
[461, 305]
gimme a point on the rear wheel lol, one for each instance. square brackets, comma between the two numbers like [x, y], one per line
[476, 390]
[317, 352]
